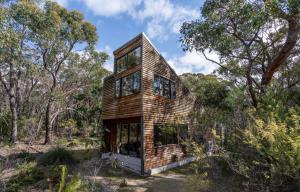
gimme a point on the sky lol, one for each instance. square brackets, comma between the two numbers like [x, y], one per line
[118, 21]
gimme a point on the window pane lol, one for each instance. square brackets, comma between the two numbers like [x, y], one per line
[134, 57]
[166, 88]
[127, 86]
[124, 139]
[171, 134]
[134, 142]
[158, 135]
[136, 82]
[157, 85]
[118, 88]
[173, 90]
[121, 63]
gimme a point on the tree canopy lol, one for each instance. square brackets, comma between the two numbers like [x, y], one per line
[253, 39]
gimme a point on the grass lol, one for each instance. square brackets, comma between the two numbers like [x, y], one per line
[57, 156]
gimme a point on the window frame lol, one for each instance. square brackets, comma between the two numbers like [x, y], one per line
[122, 128]
[162, 85]
[178, 133]
[127, 60]
[133, 91]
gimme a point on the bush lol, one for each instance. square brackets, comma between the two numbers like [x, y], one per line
[57, 156]
[28, 174]
[267, 152]
[26, 156]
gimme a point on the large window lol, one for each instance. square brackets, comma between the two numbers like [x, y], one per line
[164, 87]
[129, 139]
[129, 60]
[165, 134]
[128, 85]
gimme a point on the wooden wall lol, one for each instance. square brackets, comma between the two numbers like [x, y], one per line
[158, 109]
[153, 109]
[123, 107]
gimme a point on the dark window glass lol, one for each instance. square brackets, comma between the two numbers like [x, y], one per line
[164, 87]
[134, 145]
[129, 139]
[129, 60]
[136, 82]
[122, 63]
[158, 135]
[165, 134]
[157, 86]
[173, 90]
[124, 139]
[118, 88]
[131, 83]
[134, 57]
[127, 85]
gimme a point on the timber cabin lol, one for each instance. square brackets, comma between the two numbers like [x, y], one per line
[145, 110]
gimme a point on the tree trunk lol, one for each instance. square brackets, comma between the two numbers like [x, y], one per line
[284, 53]
[14, 117]
[12, 104]
[48, 123]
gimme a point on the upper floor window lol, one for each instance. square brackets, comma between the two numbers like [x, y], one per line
[164, 87]
[129, 60]
[128, 85]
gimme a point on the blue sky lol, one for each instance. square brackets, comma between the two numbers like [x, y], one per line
[118, 21]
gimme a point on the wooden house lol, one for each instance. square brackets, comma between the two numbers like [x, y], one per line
[145, 110]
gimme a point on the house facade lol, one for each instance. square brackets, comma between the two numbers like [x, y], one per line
[146, 110]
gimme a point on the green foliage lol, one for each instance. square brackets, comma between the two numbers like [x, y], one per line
[26, 156]
[63, 175]
[268, 154]
[57, 156]
[5, 125]
[28, 174]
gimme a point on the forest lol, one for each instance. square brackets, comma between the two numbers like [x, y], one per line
[51, 85]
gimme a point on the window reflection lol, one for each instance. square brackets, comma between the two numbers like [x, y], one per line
[129, 60]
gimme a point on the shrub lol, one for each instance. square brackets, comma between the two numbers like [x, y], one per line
[26, 156]
[57, 156]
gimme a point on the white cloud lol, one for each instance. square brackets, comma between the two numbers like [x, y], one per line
[63, 3]
[111, 7]
[162, 17]
[192, 62]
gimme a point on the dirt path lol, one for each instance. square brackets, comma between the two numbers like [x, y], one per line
[171, 182]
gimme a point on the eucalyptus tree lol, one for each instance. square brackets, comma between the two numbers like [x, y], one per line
[15, 54]
[254, 39]
[56, 32]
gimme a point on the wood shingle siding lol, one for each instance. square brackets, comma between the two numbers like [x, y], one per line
[151, 108]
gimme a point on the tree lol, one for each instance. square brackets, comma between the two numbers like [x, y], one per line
[56, 33]
[254, 39]
[14, 53]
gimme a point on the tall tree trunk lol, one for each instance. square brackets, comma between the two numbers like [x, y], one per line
[48, 124]
[12, 104]
[14, 117]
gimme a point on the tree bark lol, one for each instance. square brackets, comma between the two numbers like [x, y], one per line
[14, 117]
[284, 53]
[12, 103]
[48, 123]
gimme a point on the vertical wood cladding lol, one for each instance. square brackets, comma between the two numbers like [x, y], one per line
[158, 109]
[154, 109]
